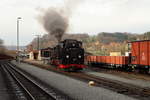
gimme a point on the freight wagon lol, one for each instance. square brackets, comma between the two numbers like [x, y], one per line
[139, 59]
[140, 54]
[109, 61]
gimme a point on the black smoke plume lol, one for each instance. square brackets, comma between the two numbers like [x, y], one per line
[56, 20]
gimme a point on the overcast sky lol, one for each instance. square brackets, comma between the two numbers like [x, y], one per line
[90, 16]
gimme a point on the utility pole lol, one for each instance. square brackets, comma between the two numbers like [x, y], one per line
[38, 42]
[18, 52]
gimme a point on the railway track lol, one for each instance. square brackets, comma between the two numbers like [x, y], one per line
[30, 89]
[99, 68]
[117, 86]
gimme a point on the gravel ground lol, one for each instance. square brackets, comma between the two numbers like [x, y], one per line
[135, 79]
[77, 89]
[138, 82]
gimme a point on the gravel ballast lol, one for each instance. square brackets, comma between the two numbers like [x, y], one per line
[74, 88]
[137, 82]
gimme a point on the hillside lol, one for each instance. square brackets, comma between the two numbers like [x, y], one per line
[101, 44]
[15, 47]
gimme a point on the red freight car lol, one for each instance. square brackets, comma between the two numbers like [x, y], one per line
[124, 61]
[135, 49]
[98, 59]
[117, 61]
[140, 54]
[103, 59]
[108, 59]
[139, 58]
[91, 59]
[88, 59]
[144, 53]
[94, 59]
[113, 60]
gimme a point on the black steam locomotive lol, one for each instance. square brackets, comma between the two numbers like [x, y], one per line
[68, 55]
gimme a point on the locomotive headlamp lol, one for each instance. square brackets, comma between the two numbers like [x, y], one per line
[73, 44]
[79, 56]
[67, 56]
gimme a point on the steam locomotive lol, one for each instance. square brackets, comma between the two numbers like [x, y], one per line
[67, 55]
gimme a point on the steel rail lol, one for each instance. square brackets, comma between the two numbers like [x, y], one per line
[13, 71]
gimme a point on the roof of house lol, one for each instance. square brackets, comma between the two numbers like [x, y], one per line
[138, 41]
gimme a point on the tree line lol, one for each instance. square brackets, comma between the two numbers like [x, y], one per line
[101, 44]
